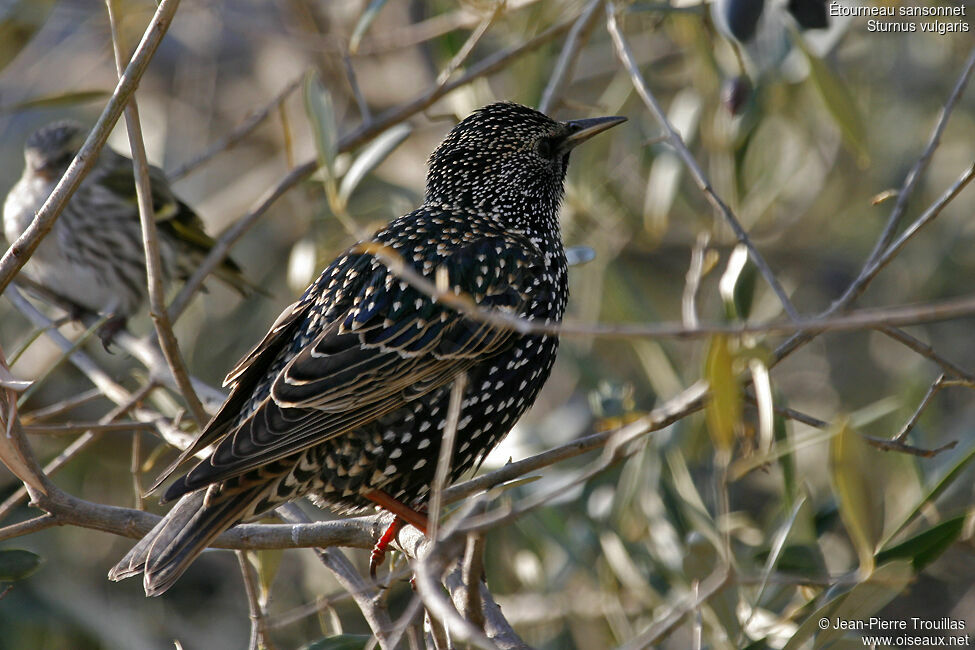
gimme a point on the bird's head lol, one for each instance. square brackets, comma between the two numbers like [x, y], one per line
[50, 149]
[508, 159]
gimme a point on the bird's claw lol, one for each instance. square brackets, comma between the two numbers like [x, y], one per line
[108, 331]
[378, 554]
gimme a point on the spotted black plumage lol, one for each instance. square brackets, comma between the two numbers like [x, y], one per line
[348, 392]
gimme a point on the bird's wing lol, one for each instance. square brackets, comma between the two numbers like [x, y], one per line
[386, 345]
[173, 217]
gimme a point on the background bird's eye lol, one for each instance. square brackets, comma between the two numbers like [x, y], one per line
[544, 147]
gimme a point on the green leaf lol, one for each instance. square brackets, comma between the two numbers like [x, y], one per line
[853, 474]
[371, 157]
[321, 114]
[787, 460]
[927, 546]
[723, 410]
[365, 20]
[18, 25]
[737, 284]
[16, 564]
[859, 603]
[58, 99]
[839, 102]
[268, 562]
[802, 559]
[340, 642]
[938, 486]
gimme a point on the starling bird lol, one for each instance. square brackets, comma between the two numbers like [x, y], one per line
[94, 256]
[345, 400]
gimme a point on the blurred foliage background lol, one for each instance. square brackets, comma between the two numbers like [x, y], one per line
[800, 166]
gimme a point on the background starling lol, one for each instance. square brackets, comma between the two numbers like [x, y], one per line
[345, 399]
[94, 256]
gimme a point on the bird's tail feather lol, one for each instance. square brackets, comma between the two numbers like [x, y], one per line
[169, 548]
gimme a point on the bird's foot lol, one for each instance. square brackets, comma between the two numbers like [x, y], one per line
[378, 554]
[404, 514]
[108, 331]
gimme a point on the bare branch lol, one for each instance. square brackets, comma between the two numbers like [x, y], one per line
[446, 453]
[914, 175]
[863, 319]
[882, 250]
[75, 428]
[232, 139]
[472, 570]
[150, 241]
[62, 407]
[259, 639]
[428, 572]
[925, 350]
[34, 525]
[365, 594]
[489, 616]
[675, 140]
[80, 443]
[708, 588]
[577, 37]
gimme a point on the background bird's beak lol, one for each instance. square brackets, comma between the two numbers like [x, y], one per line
[582, 130]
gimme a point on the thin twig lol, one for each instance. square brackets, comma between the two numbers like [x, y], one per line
[884, 444]
[925, 350]
[62, 407]
[74, 428]
[882, 249]
[472, 569]
[229, 141]
[616, 446]
[34, 525]
[577, 37]
[862, 319]
[465, 50]
[150, 241]
[365, 594]
[21, 250]
[446, 455]
[360, 99]
[677, 142]
[79, 444]
[704, 591]
[259, 637]
[914, 175]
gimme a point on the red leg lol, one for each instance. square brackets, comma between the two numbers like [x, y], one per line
[378, 555]
[404, 515]
[416, 519]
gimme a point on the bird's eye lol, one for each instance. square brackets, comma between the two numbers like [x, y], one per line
[544, 148]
